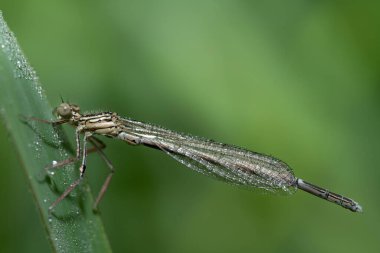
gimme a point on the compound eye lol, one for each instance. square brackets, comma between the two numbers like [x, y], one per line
[64, 110]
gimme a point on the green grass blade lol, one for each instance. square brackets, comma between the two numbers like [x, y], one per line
[74, 227]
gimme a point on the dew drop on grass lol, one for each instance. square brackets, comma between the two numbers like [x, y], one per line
[21, 68]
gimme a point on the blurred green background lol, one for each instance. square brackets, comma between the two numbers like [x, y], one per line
[298, 80]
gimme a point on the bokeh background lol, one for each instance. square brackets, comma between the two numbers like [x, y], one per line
[296, 79]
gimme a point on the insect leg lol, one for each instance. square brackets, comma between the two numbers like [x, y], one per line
[99, 145]
[82, 170]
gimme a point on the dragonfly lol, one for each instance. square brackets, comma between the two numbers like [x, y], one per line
[225, 162]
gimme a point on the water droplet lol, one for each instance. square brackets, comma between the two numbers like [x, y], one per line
[51, 173]
[10, 46]
[54, 163]
[45, 200]
[50, 219]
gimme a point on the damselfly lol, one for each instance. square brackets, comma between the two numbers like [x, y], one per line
[222, 161]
